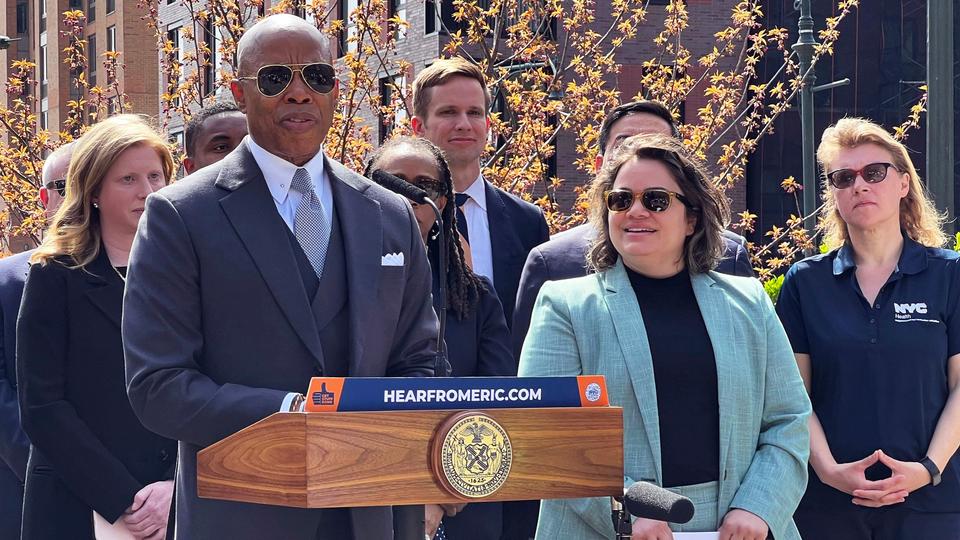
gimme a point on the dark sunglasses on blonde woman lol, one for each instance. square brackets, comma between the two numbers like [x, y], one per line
[275, 78]
[871, 174]
[653, 199]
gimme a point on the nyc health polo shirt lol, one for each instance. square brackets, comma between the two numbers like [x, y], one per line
[879, 372]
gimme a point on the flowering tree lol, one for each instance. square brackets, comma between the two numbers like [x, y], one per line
[550, 63]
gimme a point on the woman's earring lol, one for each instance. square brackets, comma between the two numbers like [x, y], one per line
[434, 231]
[96, 205]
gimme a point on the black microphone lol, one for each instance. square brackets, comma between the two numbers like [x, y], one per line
[646, 500]
[400, 186]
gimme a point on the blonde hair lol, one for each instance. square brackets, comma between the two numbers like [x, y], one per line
[75, 230]
[703, 249]
[919, 217]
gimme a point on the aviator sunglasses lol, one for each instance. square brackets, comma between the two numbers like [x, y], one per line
[871, 174]
[653, 199]
[275, 78]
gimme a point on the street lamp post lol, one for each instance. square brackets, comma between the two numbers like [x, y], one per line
[804, 47]
[940, 135]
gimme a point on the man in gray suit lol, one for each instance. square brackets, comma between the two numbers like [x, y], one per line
[272, 266]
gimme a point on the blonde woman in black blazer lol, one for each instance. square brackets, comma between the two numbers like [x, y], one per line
[89, 452]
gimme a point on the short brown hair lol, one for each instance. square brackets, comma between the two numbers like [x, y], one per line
[439, 73]
[919, 217]
[703, 249]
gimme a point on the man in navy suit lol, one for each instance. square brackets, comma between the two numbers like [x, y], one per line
[450, 104]
[14, 446]
[564, 256]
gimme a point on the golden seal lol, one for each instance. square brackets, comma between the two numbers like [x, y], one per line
[474, 457]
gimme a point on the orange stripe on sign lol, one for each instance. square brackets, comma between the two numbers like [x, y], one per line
[324, 394]
[593, 391]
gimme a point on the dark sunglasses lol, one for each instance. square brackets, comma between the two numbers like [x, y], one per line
[434, 190]
[59, 185]
[275, 78]
[871, 174]
[653, 199]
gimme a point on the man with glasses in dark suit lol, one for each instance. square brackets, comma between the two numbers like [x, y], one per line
[14, 446]
[272, 266]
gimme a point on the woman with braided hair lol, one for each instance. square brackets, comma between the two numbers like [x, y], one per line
[478, 341]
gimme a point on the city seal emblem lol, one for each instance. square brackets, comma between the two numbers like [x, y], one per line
[472, 455]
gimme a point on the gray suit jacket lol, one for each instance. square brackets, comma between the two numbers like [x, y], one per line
[593, 326]
[217, 327]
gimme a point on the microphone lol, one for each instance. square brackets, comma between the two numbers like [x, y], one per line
[646, 500]
[400, 186]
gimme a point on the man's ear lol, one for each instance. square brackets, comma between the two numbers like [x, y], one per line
[188, 165]
[597, 163]
[417, 125]
[237, 90]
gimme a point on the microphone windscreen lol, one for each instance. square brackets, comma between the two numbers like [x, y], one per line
[645, 500]
[399, 185]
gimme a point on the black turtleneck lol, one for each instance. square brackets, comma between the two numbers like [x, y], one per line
[685, 373]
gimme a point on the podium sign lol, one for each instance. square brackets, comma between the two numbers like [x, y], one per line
[403, 457]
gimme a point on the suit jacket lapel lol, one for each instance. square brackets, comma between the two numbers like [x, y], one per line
[503, 240]
[105, 287]
[250, 208]
[632, 335]
[715, 309]
[362, 232]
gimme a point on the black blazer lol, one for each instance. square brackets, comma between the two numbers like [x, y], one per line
[89, 450]
[516, 227]
[14, 446]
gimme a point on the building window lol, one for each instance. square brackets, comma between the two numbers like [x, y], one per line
[75, 4]
[112, 38]
[91, 10]
[43, 71]
[176, 56]
[43, 16]
[430, 18]
[392, 90]
[111, 6]
[92, 59]
[210, 70]
[350, 28]
[23, 21]
[44, 119]
[398, 9]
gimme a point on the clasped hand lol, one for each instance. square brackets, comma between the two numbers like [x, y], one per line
[905, 477]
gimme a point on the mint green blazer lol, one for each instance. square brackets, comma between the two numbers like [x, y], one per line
[593, 325]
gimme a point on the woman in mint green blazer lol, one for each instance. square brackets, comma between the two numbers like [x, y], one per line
[713, 404]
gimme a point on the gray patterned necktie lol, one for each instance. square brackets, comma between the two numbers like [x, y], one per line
[310, 225]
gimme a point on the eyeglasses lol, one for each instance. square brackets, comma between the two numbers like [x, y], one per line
[275, 78]
[653, 199]
[871, 174]
[434, 190]
[59, 185]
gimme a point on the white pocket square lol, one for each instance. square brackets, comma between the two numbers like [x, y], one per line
[392, 259]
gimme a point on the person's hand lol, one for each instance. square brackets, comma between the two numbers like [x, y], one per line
[905, 477]
[453, 509]
[146, 518]
[432, 514]
[650, 529]
[742, 525]
[850, 479]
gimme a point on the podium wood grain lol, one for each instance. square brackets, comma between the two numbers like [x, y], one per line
[346, 459]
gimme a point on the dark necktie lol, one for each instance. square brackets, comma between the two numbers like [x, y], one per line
[460, 199]
[310, 224]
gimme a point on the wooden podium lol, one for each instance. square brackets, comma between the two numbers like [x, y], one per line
[349, 459]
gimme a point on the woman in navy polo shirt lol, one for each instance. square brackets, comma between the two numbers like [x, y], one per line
[875, 329]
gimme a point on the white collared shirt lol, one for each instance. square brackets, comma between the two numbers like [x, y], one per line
[478, 227]
[279, 172]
